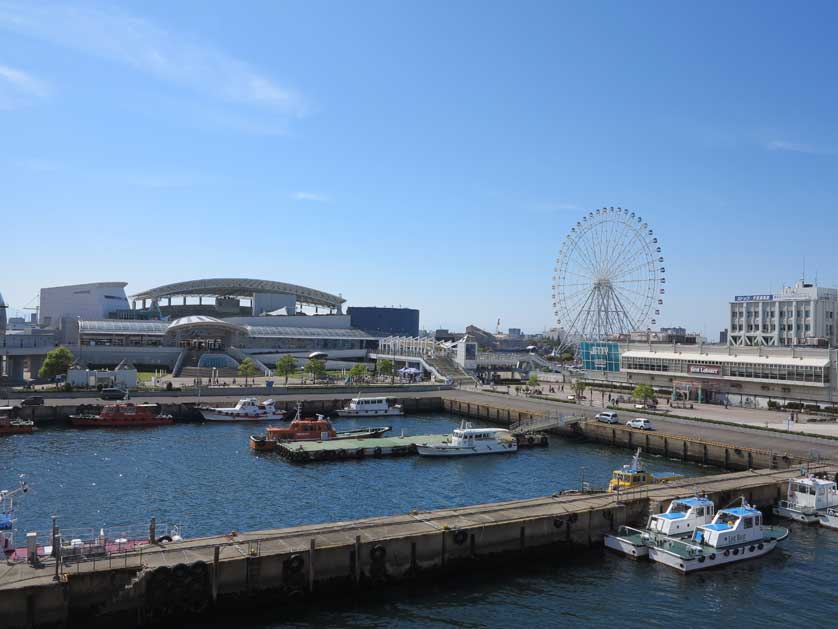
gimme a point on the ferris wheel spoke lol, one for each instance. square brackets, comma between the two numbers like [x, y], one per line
[586, 256]
[639, 307]
[649, 264]
[627, 245]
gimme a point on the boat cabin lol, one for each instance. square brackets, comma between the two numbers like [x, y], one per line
[730, 527]
[368, 404]
[471, 436]
[812, 494]
[684, 515]
[303, 429]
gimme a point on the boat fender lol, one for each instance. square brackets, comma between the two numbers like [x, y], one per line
[200, 571]
[735, 551]
[712, 556]
[180, 572]
[558, 522]
[751, 549]
[460, 537]
[377, 451]
[760, 546]
[295, 563]
[378, 552]
[608, 514]
[341, 453]
[530, 440]
[164, 538]
[574, 517]
[727, 553]
[701, 559]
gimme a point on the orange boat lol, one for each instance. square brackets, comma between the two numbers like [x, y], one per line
[123, 415]
[9, 426]
[319, 429]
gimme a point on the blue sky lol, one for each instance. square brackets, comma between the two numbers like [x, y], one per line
[429, 154]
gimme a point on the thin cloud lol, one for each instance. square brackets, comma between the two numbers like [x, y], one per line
[18, 88]
[312, 197]
[798, 147]
[146, 47]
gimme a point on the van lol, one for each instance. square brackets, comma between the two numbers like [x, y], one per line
[113, 394]
[608, 417]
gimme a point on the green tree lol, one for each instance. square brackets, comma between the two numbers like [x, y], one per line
[315, 367]
[567, 357]
[358, 372]
[533, 380]
[286, 366]
[579, 389]
[56, 363]
[643, 392]
[248, 369]
[386, 368]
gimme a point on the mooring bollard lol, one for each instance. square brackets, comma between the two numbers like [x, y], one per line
[152, 531]
[32, 548]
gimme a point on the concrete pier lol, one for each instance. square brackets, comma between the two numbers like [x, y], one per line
[190, 577]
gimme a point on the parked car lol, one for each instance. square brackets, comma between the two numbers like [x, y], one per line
[640, 423]
[35, 400]
[113, 394]
[571, 397]
[608, 417]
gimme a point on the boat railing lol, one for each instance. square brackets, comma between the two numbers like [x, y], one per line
[794, 506]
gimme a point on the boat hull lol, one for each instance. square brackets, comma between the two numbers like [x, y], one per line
[17, 429]
[97, 422]
[446, 450]
[345, 412]
[712, 557]
[630, 545]
[794, 514]
[214, 416]
[829, 521]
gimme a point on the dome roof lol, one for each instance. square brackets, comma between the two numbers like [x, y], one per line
[202, 321]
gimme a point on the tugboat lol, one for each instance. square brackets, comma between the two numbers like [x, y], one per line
[9, 426]
[635, 475]
[246, 410]
[466, 441]
[123, 415]
[682, 517]
[735, 534]
[370, 407]
[807, 498]
[318, 429]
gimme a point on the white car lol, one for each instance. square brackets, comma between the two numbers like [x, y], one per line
[641, 423]
[608, 417]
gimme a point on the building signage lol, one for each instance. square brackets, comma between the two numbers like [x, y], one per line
[704, 370]
[600, 356]
[754, 298]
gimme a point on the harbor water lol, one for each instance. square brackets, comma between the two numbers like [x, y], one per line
[204, 477]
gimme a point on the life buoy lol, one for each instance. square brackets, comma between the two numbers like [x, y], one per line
[460, 537]
[378, 552]
[295, 563]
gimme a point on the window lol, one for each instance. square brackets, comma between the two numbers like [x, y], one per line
[749, 523]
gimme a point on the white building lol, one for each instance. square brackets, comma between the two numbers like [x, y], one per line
[81, 301]
[803, 314]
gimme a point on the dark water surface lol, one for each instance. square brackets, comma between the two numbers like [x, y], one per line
[204, 477]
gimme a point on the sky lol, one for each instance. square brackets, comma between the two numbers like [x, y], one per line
[426, 154]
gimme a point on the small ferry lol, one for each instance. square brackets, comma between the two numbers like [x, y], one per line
[635, 475]
[735, 534]
[370, 407]
[807, 497]
[681, 518]
[467, 441]
[246, 409]
[9, 426]
[123, 415]
[316, 429]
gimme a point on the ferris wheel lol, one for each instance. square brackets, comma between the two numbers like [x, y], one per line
[609, 277]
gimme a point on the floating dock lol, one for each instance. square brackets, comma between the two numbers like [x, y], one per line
[343, 449]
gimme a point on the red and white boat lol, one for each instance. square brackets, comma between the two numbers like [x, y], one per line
[123, 415]
[9, 426]
[247, 409]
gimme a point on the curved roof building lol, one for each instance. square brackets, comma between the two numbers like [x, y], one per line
[243, 288]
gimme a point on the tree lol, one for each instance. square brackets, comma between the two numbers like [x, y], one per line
[567, 357]
[579, 389]
[643, 392]
[286, 366]
[56, 363]
[248, 369]
[533, 380]
[358, 372]
[386, 368]
[315, 367]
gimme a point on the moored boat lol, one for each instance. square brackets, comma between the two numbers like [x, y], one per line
[634, 474]
[246, 410]
[806, 498]
[9, 426]
[736, 534]
[680, 519]
[468, 441]
[829, 518]
[123, 415]
[370, 407]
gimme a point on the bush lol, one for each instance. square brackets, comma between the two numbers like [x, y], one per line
[794, 406]
[773, 404]
[67, 388]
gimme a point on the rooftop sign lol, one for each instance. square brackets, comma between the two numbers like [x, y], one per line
[754, 298]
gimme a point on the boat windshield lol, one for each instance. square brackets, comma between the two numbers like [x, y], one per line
[679, 507]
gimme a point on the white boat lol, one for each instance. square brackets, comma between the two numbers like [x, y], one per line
[829, 518]
[680, 519]
[246, 410]
[734, 535]
[806, 498]
[467, 441]
[370, 407]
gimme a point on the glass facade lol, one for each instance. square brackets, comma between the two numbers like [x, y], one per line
[744, 369]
